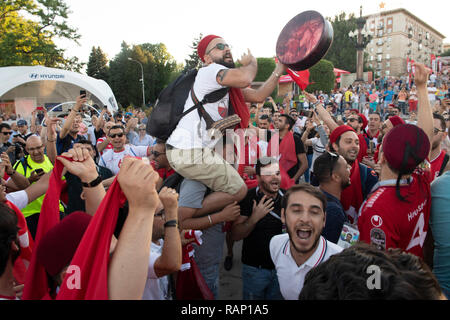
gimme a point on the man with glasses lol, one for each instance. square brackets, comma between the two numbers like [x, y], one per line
[112, 158]
[189, 148]
[5, 146]
[333, 175]
[103, 143]
[438, 157]
[34, 166]
[141, 138]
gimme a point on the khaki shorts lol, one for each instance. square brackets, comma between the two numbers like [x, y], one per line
[206, 166]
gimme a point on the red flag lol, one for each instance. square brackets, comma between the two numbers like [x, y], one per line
[301, 78]
[285, 152]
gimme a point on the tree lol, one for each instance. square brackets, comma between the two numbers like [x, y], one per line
[445, 53]
[265, 68]
[97, 66]
[342, 52]
[322, 77]
[124, 75]
[193, 62]
[28, 29]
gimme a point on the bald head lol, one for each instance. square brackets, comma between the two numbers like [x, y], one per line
[35, 148]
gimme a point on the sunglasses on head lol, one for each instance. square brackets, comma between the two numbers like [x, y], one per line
[333, 160]
[120, 135]
[220, 46]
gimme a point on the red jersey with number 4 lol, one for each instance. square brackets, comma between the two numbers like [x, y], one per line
[387, 222]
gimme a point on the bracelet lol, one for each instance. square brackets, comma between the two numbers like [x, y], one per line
[51, 140]
[276, 74]
[171, 223]
[210, 220]
[93, 183]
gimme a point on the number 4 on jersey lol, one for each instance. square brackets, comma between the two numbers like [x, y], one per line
[420, 238]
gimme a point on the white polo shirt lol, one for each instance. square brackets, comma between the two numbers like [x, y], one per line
[112, 159]
[290, 276]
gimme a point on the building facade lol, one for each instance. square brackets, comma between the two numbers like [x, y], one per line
[397, 35]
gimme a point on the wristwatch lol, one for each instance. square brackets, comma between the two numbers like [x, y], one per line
[93, 183]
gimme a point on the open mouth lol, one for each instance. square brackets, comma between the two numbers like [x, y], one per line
[304, 233]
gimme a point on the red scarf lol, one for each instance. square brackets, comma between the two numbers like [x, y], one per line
[362, 147]
[240, 107]
[26, 245]
[286, 155]
[352, 197]
[92, 253]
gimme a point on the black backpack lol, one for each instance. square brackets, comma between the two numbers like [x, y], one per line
[169, 107]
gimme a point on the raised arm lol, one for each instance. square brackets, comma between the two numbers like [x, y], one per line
[424, 112]
[322, 113]
[240, 77]
[51, 138]
[70, 118]
[128, 269]
[260, 94]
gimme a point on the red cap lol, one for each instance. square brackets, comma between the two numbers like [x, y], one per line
[58, 246]
[396, 120]
[203, 44]
[339, 131]
[354, 111]
[405, 147]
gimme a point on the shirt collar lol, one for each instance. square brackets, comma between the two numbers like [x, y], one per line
[318, 255]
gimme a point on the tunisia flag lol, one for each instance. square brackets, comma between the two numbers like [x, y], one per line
[301, 78]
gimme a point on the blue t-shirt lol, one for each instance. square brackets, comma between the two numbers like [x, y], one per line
[440, 227]
[64, 145]
[390, 95]
[336, 217]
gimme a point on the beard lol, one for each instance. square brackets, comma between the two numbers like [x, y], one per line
[222, 62]
[302, 251]
[345, 184]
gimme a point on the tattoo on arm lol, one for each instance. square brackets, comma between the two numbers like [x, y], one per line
[221, 75]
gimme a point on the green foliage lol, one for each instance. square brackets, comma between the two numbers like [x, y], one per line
[97, 66]
[445, 53]
[342, 52]
[124, 75]
[265, 68]
[321, 76]
[193, 62]
[28, 29]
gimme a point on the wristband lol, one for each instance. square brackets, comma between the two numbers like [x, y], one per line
[171, 223]
[209, 218]
[93, 183]
[276, 74]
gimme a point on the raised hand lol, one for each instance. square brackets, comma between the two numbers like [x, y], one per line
[261, 209]
[83, 166]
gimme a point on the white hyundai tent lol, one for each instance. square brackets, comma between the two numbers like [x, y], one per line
[23, 89]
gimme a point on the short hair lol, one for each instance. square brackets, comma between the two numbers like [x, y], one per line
[441, 119]
[116, 127]
[324, 166]
[376, 113]
[264, 117]
[309, 189]
[8, 234]
[86, 141]
[289, 120]
[344, 276]
[4, 125]
[264, 162]
[160, 141]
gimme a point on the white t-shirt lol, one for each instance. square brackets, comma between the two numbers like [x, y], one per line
[338, 98]
[18, 198]
[318, 150]
[112, 160]
[432, 93]
[290, 276]
[91, 135]
[156, 288]
[190, 132]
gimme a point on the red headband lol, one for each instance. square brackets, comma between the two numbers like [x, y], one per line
[396, 120]
[203, 44]
[339, 131]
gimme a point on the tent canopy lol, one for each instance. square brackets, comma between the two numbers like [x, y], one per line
[30, 87]
[338, 72]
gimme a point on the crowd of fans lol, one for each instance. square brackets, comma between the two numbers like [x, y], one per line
[358, 180]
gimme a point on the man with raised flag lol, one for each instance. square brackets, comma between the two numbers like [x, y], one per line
[345, 142]
[190, 146]
[396, 214]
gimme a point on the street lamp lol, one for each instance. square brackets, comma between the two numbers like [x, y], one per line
[362, 39]
[142, 80]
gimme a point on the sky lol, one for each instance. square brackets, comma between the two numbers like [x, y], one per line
[244, 24]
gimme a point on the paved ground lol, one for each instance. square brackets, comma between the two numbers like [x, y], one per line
[230, 282]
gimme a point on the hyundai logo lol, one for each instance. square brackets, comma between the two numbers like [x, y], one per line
[34, 76]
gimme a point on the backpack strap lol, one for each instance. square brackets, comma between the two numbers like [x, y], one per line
[209, 98]
[363, 176]
[444, 164]
[25, 165]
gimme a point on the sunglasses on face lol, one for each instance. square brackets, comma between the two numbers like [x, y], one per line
[6, 133]
[220, 46]
[156, 154]
[352, 120]
[30, 150]
[120, 135]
